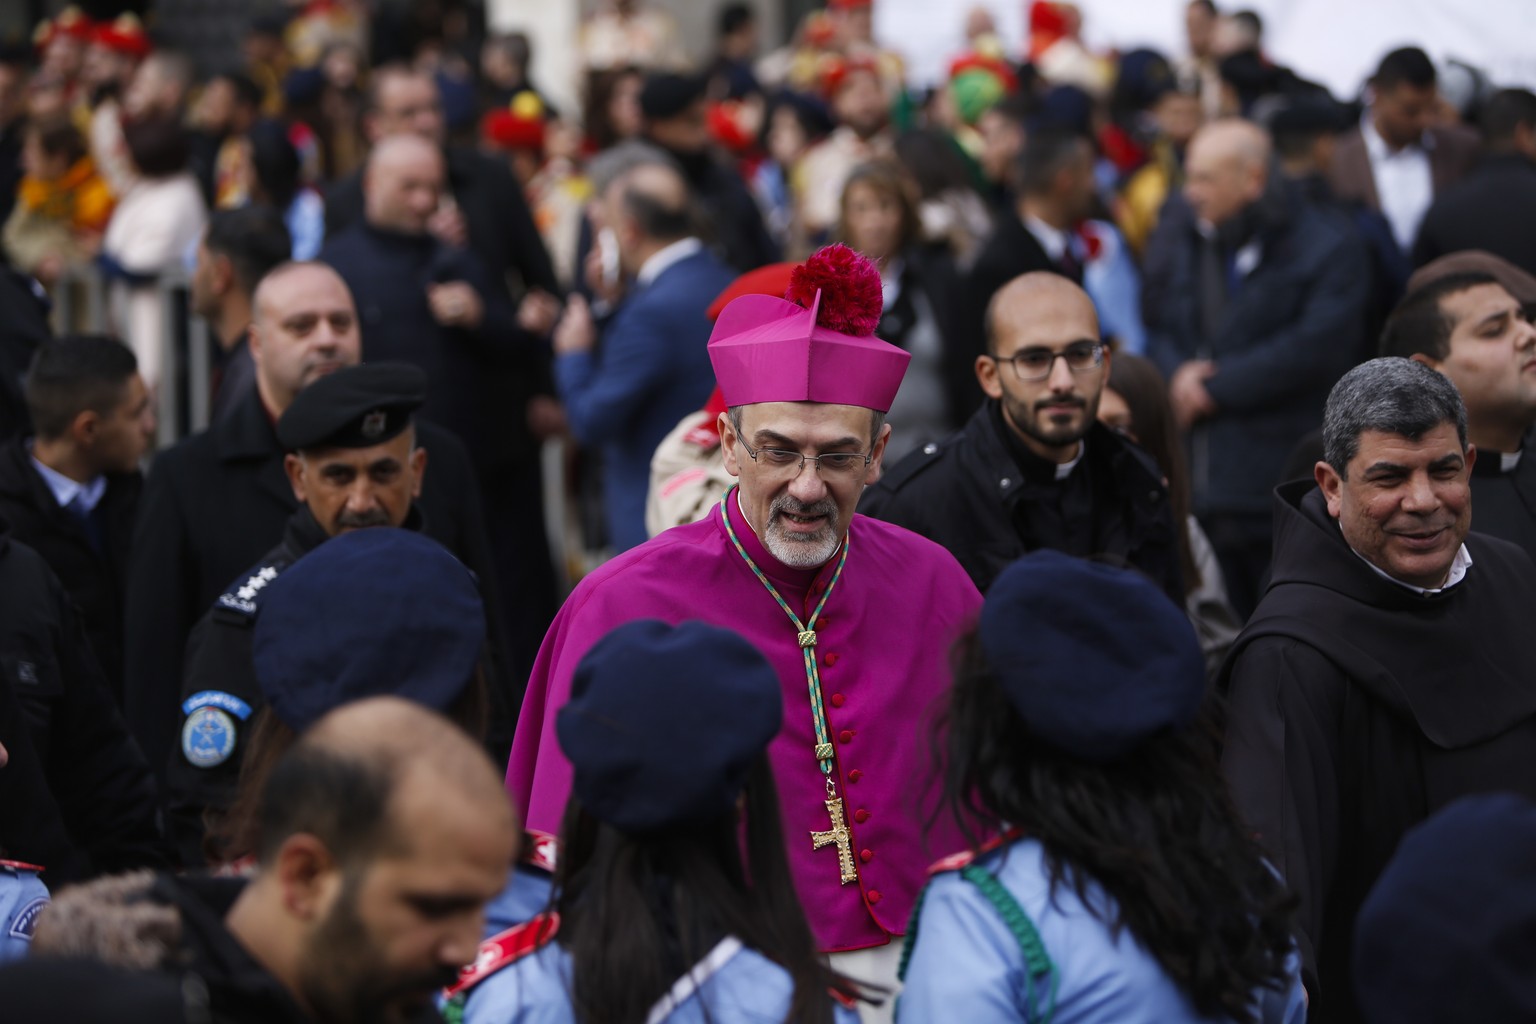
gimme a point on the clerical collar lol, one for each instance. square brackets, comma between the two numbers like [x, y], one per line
[1031, 463]
[1459, 566]
[84, 496]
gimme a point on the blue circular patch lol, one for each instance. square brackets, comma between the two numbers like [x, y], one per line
[208, 737]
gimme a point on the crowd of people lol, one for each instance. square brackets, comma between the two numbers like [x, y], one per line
[1018, 557]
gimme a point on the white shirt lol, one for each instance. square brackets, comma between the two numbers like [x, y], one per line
[66, 491]
[1509, 461]
[1053, 240]
[1404, 183]
[1064, 469]
[1459, 566]
[663, 259]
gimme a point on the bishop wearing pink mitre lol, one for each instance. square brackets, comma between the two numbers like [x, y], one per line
[858, 616]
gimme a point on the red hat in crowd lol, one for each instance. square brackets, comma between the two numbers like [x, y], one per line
[518, 125]
[70, 23]
[838, 71]
[848, 5]
[124, 34]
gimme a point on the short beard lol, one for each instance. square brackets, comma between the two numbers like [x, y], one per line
[1023, 418]
[796, 551]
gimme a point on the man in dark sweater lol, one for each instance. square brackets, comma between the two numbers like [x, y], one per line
[1385, 673]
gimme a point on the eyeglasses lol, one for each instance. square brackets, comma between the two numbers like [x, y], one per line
[1036, 364]
[787, 463]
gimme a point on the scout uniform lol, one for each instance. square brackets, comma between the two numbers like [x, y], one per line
[22, 898]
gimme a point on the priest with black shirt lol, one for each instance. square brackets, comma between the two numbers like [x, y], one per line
[1468, 316]
[1034, 468]
[1386, 671]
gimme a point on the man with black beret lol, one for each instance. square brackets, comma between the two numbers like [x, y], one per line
[353, 463]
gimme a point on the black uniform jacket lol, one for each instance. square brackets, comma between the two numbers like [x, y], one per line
[97, 581]
[70, 733]
[1358, 708]
[220, 695]
[969, 495]
[212, 506]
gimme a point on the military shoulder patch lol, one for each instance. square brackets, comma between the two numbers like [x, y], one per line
[25, 922]
[209, 734]
[243, 598]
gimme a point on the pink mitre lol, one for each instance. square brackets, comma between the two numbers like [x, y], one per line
[817, 344]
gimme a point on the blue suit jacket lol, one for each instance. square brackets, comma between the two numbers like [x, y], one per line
[651, 370]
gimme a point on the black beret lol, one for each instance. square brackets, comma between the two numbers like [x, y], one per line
[667, 94]
[370, 612]
[1303, 116]
[356, 407]
[664, 722]
[1094, 658]
[1449, 931]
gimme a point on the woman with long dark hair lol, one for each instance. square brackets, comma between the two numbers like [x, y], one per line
[674, 900]
[1135, 402]
[1120, 885]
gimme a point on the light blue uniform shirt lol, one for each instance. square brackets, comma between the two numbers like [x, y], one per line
[968, 966]
[22, 897]
[737, 986]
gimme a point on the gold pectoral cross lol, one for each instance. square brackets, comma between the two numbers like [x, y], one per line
[838, 834]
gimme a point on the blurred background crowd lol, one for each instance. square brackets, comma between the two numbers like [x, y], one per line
[121, 136]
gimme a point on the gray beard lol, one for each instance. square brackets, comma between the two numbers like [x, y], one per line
[801, 552]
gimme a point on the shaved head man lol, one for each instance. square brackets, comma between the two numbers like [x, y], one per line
[1226, 169]
[1034, 468]
[303, 327]
[403, 184]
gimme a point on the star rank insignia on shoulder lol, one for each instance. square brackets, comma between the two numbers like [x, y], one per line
[243, 598]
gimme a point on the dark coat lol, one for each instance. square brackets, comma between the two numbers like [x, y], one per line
[98, 784]
[1288, 331]
[97, 581]
[211, 506]
[968, 494]
[1452, 151]
[1009, 251]
[1490, 209]
[469, 372]
[23, 328]
[1358, 708]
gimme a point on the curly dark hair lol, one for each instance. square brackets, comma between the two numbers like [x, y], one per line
[1156, 830]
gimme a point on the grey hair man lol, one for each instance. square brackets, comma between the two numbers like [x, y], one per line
[1384, 673]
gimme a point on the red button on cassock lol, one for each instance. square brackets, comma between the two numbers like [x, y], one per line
[861, 815]
[837, 700]
[874, 895]
[855, 775]
[845, 736]
[831, 658]
[866, 855]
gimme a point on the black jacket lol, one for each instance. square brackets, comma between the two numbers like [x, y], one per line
[970, 495]
[470, 373]
[97, 783]
[1009, 251]
[1489, 209]
[97, 581]
[23, 328]
[1288, 330]
[1357, 708]
[212, 505]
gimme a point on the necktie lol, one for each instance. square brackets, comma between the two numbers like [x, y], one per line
[90, 524]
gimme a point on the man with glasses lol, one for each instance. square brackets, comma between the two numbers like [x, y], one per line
[857, 617]
[1034, 468]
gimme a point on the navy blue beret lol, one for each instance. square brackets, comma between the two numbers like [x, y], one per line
[355, 407]
[1449, 931]
[667, 94]
[664, 722]
[368, 613]
[1094, 658]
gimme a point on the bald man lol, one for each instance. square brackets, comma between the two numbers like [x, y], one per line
[1255, 302]
[216, 502]
[384, 833]
[653, 368]
[1034, 468]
